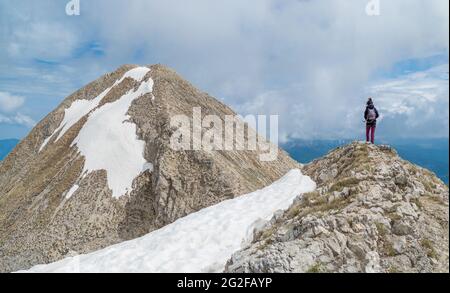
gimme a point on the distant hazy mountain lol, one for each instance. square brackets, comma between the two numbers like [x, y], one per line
[428, 153]
[7, 145]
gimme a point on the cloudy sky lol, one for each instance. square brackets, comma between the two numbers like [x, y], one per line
[313, 62]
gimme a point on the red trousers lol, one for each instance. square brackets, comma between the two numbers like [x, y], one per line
[370, 133]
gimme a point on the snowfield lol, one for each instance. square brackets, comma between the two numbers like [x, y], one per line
[108, 140]
[79, 108]
[200, 242]
[72, 190]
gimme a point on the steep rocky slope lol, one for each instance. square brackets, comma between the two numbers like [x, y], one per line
[99, 169]
[372, 212]
[201, 242]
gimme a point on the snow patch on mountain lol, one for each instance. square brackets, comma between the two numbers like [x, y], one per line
[72, 190]
[200, 242]
[108, 142]
[137, 74]
[73, 114]
[79, 108]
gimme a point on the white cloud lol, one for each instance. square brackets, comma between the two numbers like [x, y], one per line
[309, 61]
[18, 119]
[415, 105]
[24, 120]
[9, 102]
[42, 40]
[10, 106]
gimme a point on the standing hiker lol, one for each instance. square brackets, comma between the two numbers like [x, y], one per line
[370, 116]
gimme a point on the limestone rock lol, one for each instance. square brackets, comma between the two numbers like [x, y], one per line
[40, 223]
[378, 214]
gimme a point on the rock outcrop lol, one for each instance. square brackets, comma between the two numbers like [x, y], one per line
[52, 207]
[371, 212]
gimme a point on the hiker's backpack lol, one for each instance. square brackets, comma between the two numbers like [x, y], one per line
[371, 114]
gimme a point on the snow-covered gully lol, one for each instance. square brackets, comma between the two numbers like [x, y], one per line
[200, 242]
[108, 140]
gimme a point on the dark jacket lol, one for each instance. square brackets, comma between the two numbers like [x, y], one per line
[366, 113]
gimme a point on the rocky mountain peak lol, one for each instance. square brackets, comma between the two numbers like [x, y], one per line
[100, 169]
[371, 212]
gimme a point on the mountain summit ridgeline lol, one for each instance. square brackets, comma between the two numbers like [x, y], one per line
[371, 212]
[99, 169]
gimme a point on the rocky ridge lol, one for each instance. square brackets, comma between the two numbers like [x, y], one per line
[372, 212]
[50, 208]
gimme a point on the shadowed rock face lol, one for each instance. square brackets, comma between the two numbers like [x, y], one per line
[371, 212]
[38, 224]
